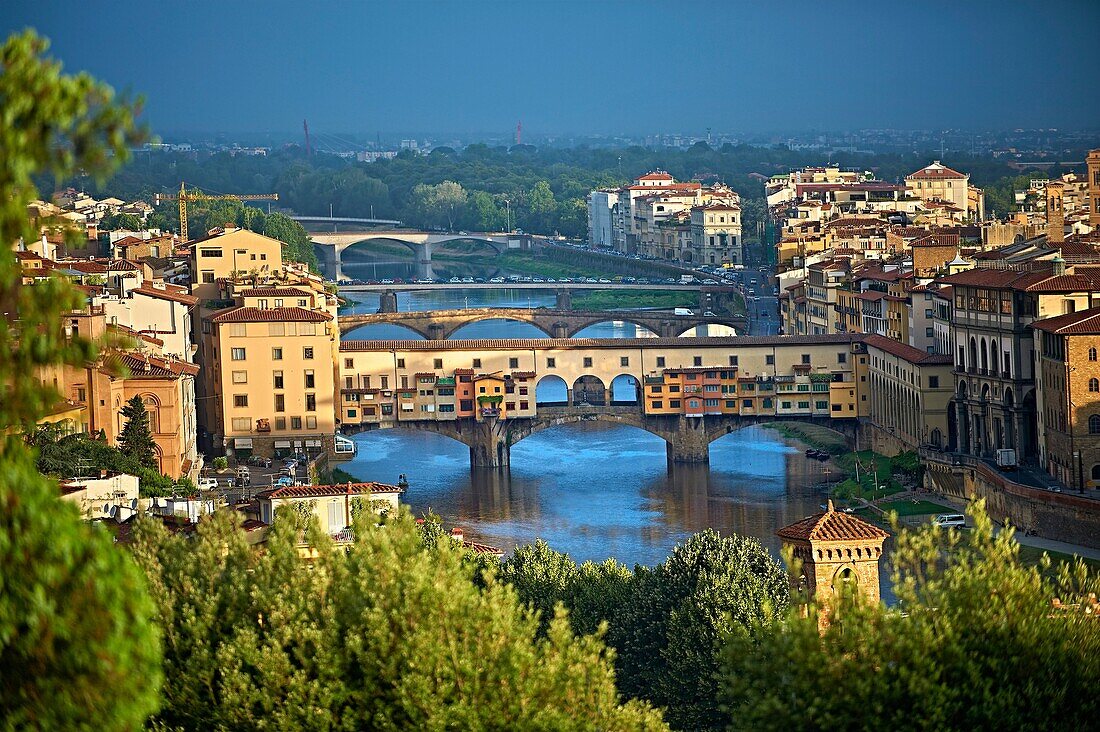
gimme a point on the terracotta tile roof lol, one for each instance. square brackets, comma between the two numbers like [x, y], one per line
[127, 241]
[170, 292]
[86, 266]
[1084, 322]
[270, 315]
[937, 240]
[935, 171]
[831, 525]
[905, 351]
[995, 278]
[143, 366]
[136, 334]
[1065, 283]
[656, 175]
[323, 491]
[275, 292]
[581, 344]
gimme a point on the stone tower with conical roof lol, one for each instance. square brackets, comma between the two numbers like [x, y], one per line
[835, 549]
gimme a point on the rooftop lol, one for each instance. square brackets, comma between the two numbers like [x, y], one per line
[324, 491]
[270, 315]
[831, 525]
[905, 351]
[1084, 322]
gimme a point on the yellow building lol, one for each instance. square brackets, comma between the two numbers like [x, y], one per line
[273, 379]
[1068, 397]
[229, 253]
[910, 395]
[937, 184]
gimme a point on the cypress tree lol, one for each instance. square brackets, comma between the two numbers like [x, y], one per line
[136, 440]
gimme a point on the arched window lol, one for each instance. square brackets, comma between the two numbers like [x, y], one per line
[1094, 384]
[1094, 424]
[1096, 472]
[1092, 354]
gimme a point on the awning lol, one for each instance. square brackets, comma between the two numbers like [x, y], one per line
[282, 443]
[242, 443]
[313, 443]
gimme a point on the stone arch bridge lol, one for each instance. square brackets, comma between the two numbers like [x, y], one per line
[439, 325]
[687, 439]
[420, 243]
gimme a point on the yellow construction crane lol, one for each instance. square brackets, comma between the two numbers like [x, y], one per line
[193, 195]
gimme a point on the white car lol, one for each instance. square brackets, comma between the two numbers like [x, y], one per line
[208, 484]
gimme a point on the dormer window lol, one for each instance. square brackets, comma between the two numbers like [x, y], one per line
[262, 305]
[278, 303]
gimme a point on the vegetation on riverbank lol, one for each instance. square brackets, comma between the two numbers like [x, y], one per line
[817, 437]
[612, 299]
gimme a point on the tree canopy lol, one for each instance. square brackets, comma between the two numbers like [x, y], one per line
[78, 649]
[136, 439]
[389, 634]
[975, 642]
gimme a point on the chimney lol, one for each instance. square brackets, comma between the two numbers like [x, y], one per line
[1059, 265]
[458, 535]
[1056, 220]
[1094, 188]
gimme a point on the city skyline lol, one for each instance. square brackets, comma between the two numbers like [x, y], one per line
[578, 69]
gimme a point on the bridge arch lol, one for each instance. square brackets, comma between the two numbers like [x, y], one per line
[455, 333]
[394, 332]
[364, 245]
[637, 323]
[625, 389]
[590, 390]
[551, 389]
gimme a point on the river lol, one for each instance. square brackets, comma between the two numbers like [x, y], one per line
[593, 490]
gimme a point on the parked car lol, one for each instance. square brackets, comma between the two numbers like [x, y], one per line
[208, 484]
[950, 519]
[243, 476]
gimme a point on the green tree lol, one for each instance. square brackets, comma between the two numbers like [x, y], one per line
[77, 648]
[136, 439]
[125, 221]
[975, 642]
[436, 205]
[668, 634]
[541, 207]
[387, 635]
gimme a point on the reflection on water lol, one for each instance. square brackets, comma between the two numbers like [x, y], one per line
[597, 490]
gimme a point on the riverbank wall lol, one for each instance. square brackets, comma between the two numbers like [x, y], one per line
[1067, 517]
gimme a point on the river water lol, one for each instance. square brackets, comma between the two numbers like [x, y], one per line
[593, 490]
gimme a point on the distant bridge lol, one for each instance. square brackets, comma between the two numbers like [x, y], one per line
[335, 220]
[421, 243]
[438, 325]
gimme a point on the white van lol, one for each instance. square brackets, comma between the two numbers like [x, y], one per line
[950, 519]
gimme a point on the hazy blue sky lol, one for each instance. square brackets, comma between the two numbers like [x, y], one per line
[585, 67]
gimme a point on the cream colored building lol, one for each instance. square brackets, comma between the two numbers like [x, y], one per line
[910, 393]
[938, 183]
[333, 505]
[223, 254]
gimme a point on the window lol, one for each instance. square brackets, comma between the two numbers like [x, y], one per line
[311, 402]
[295, 423]
[1092, 354]
[933, 382]
[733, 360]
[238, 330]
[524, 404]
[840, 358]
[307, 353]
[208, 277]
[446, 407]
[767, 403]
[674, 404]
[349, 363]
[214, 253]
[587, 361]
[823, 405]
[477, 363]
[805, 358]
[238, 354]
[551, 363]
[466, 405]
[280, 403]
[697, 360]
[1094, 384]
[351, 414]
[240, 377]
[438, 363]
[311, 423]
[803, 405]
[513, 363]
[1094, 424]
[624, 360]
[240, 400]
[510, 406]
[769, 360]
[747, 403]
[277, 377]
[276, 354]
[660, 362]
[349, 382]
[241, 424]
[656, 405]
[311, 382]
[785, 405]
[280, 423]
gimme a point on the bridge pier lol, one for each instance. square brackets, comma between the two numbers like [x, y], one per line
[387, 302]
[667, 329]
[689, 443]
[488, 447]
[436, 332]
[564, 300]
[559, 330]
